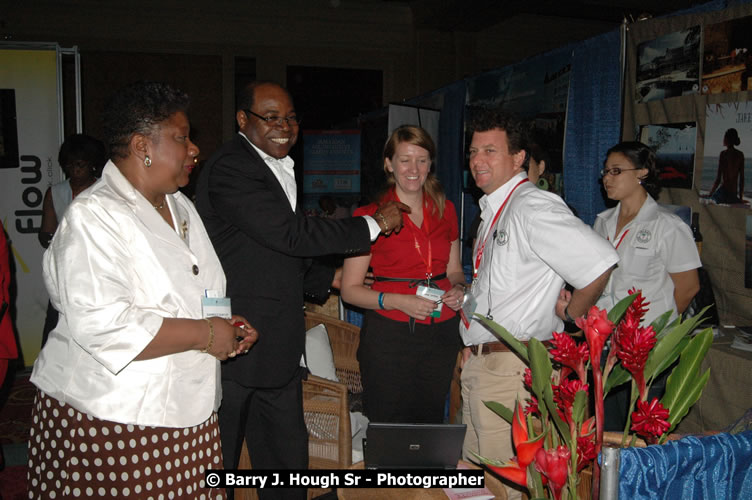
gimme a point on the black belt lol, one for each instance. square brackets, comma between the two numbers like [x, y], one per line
[413, 282]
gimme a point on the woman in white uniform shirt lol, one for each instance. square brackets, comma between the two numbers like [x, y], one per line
[657, 253]
[129, 379]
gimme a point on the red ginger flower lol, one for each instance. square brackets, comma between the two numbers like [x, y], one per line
[597, 328]
[554, 464]
[634, 348]
[564, 396]
[650, 420]
[532, 407]
[527, 378]
[586, 452]
[568, 353]
[639, 306]
[515, 469]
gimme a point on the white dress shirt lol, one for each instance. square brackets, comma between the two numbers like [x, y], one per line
[657, 242]
[536, 245]
[283, 170]
[114, 270]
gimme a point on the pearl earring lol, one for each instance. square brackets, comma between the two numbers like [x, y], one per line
[147, 161]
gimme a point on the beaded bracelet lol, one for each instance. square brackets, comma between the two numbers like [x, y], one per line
[211, 336]
[381, 300]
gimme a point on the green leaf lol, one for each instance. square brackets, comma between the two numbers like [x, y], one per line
[500, 410]
[504, 336]
[617, 312]
[660, 322]
[540, 366]
[578, 408]
[617, 377]
[665, 345]
[671, 357]
[683, 379]
[681, 409]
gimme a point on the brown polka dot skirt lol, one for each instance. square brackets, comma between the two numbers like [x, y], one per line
[74, 455]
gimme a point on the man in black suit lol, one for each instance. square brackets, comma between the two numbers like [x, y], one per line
[246, 195]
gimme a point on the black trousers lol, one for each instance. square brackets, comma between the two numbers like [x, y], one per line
[406, 375]
[271, 421]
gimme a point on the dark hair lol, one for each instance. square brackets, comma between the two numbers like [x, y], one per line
[419, 137]
[538, 154]
[139, 108]
[485, 119]
[245, 97]
[731, 137]
[82, 148]
[640, 156]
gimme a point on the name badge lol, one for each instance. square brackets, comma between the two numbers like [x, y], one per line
[469, 304]
[212, 304]
[432, 294]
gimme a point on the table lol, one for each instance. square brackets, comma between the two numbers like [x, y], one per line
[728, 394]
[492, 484]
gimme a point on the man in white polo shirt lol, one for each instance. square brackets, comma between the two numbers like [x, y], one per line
[528, 245]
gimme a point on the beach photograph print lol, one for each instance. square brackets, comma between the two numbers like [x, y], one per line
[668, 66]
[727, 160]
[727, 56]
[674, 145]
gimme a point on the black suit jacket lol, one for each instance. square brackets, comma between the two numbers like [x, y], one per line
[265, 250]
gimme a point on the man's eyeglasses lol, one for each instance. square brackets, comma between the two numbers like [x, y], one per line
[615, 171]
[276, 120]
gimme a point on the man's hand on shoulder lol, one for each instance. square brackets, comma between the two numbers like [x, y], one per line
[389, 216]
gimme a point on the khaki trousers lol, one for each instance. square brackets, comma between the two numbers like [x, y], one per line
[497, 376]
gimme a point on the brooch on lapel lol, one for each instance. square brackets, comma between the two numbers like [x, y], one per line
[184, 228]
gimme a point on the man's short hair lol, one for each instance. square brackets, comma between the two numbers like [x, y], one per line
[244, 99]
[485, 119]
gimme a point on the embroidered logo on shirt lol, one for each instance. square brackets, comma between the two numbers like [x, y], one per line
[644, 236]
[502, 238]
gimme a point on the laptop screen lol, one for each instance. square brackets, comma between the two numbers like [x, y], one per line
[415, 446]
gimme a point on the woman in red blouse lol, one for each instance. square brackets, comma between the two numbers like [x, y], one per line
[410, 336]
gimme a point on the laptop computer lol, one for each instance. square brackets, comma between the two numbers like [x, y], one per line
[414, 446]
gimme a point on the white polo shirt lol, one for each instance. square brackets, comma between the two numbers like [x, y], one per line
[657, 242]
[535, 246]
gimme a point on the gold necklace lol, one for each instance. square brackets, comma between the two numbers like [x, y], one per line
[161, 205]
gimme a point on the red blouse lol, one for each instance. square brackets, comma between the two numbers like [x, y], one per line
[406, 254]
[8, 348]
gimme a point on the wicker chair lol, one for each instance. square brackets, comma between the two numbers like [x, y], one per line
[344, 338]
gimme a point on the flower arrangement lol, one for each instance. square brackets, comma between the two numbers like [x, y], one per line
[552, 437]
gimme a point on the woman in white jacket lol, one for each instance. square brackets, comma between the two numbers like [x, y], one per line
[129, 379]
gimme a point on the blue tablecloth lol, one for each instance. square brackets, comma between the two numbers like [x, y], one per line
[709, 467]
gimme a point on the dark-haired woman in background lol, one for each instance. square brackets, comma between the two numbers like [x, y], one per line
[730, 178]
[81, 157]
[128, 382]
[407, 354]
[657, 253]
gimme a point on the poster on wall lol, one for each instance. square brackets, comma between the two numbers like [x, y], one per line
[668, 66]
[727, 56]
[29, 117]
[331, 172]
[727, 160]
[537, 90]
[674, 145]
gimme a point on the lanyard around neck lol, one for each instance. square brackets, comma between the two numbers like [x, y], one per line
[479, 254]
[414, 229]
